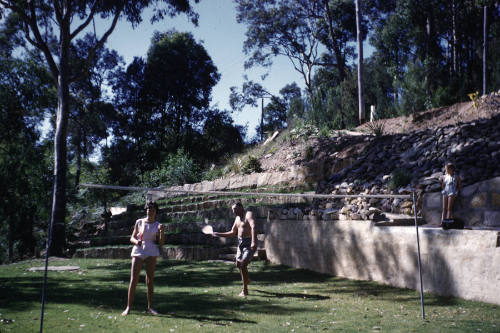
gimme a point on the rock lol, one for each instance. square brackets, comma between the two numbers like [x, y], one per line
[478, 200]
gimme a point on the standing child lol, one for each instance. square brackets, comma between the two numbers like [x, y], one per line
[451, 185]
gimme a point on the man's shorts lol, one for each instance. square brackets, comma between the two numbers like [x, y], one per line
[244, 252]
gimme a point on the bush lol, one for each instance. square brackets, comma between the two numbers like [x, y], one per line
[400, 178]
[213, 173]
[178, 169]
[376, 127]
[251, 165]
[309, 153]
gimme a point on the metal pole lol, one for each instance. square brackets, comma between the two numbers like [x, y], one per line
[262, 119]
[44, 285]
[418, 255]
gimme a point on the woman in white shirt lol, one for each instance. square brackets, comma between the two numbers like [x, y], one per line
[147, 237]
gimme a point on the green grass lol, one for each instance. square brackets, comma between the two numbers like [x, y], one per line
[202, 296]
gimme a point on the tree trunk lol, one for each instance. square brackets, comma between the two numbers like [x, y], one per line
[58, 215]
[10, 236]
[485, 39]
[361, 104]
[336, 48]
[454, 32]
[78, 162]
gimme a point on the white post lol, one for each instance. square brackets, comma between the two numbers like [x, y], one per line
[372, 113]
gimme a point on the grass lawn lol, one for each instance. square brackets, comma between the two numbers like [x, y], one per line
[202, 296]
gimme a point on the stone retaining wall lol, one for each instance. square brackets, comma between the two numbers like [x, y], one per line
[478, 205]
[461, 263]
[297, 177]
[177, 253]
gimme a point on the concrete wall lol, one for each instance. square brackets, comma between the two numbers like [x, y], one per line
[478, 205]
[461, 263]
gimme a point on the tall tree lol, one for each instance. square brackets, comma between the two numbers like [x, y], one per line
[179, 78]
[250, 94]
[361, 103]
[89, 111]
[25, 95]
[48, 28]
[280, 28]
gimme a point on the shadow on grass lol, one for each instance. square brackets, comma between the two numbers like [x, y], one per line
[291, 295]
[180, 289]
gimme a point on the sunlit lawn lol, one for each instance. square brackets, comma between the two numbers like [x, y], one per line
[202, 296]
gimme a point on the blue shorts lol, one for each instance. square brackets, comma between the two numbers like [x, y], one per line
[448, 192]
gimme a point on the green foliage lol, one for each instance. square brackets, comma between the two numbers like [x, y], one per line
[252, 164]
[400, 178]
[325, 132]
[309, 153]
[213, 173]
[178, 169]
[25, 160]
[220, 137]
[303, 130]
[414, 95]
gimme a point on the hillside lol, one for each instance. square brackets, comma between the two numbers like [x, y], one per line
[419, 144]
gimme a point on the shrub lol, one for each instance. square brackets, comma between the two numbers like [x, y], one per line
[213, 173]
[251, 165]
[376, 127]
[400, 178]
[324, 132]
[309, 153]
[178, 169]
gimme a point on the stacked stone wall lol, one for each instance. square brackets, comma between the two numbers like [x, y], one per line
[477, 205]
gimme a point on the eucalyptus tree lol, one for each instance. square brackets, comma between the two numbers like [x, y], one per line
[251, 93]
[25, 95]
[220, 137]
[179, 77]
[51, 27]
[280, 28]
[90, 113]
[359, 33]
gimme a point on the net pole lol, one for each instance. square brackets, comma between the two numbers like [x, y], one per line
[418, 256]
[44, 285]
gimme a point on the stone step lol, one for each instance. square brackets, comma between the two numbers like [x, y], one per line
[399, 220]
[227, 203]
[181, 198]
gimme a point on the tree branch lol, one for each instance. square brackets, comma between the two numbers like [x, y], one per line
[42, 45]
[58, 11]
[86, 23]
[100, 43]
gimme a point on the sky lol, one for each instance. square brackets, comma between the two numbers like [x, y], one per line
[223, 39]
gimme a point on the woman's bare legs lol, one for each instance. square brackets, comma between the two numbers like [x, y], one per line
[135, 271]
[445, 207]
[451, 201]
[150, 277]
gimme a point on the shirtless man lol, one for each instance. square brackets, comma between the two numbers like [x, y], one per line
[244, 227]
